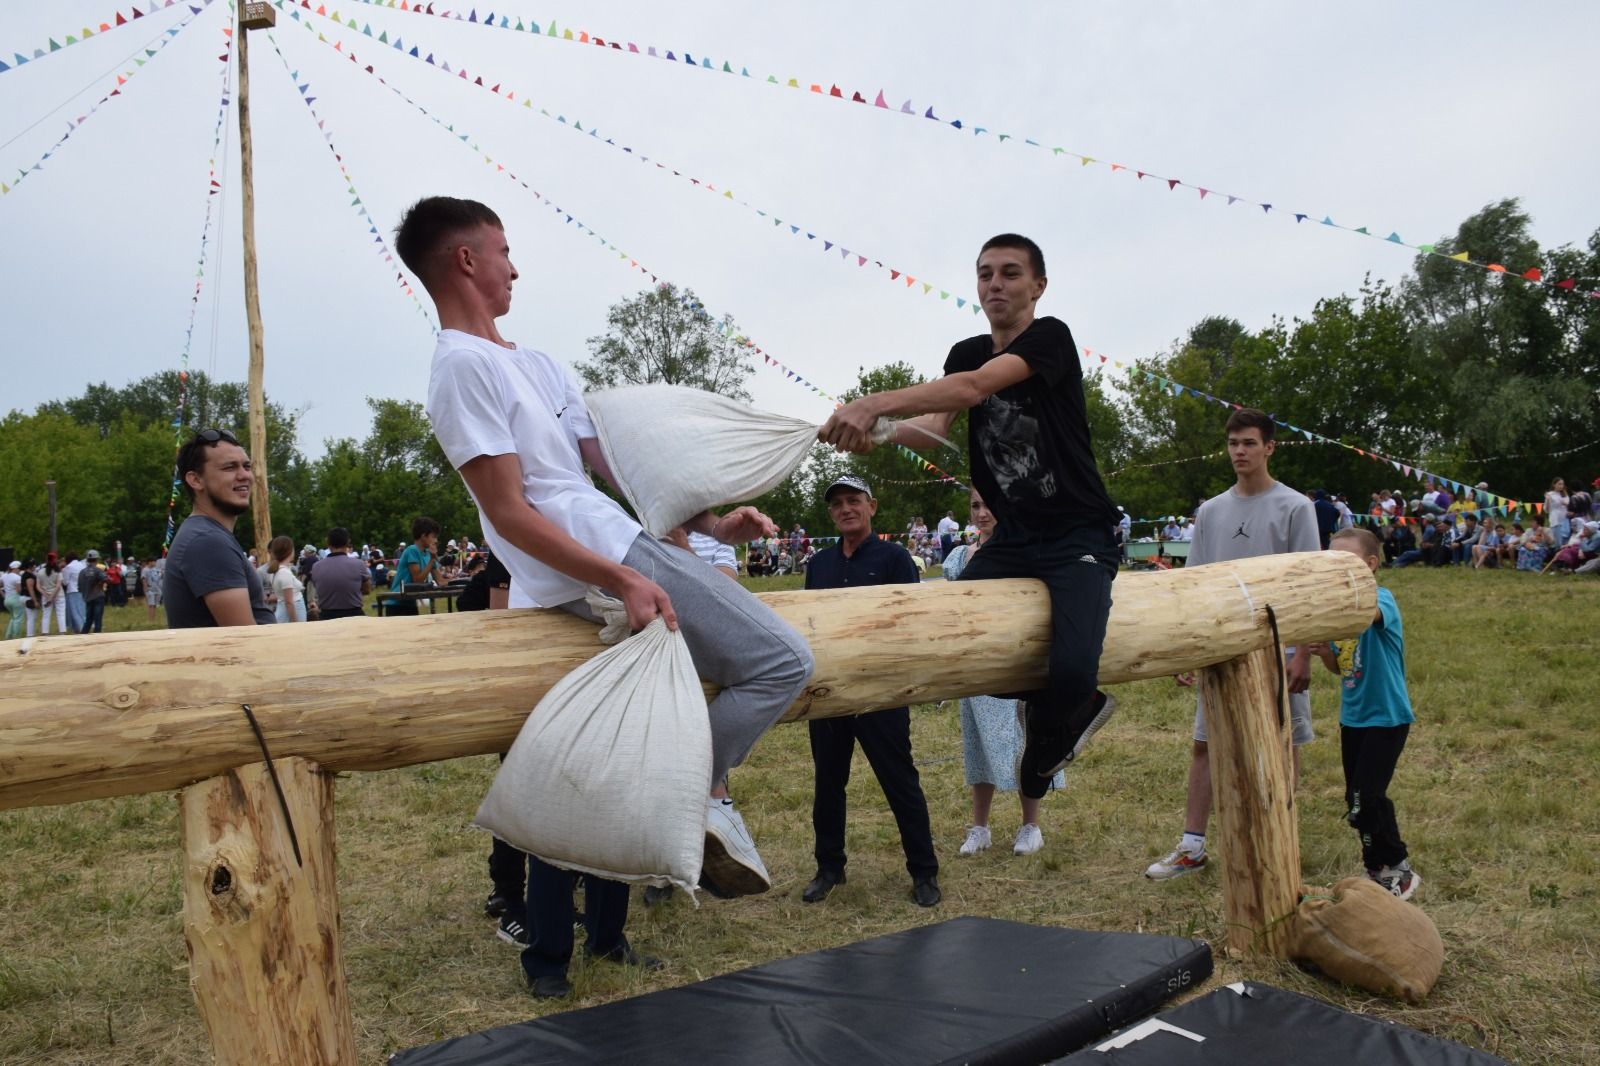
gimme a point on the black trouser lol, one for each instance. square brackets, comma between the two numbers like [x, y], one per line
[94, 615]
[508, 867]
[1370, 754]
[550, 916]
[330, 613]
[885, 737]
[1077, 566]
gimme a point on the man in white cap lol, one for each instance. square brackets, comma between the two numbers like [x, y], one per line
[885, 736]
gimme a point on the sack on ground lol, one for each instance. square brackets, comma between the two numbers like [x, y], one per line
[609, 774]
[1366, 936]
[677, 451]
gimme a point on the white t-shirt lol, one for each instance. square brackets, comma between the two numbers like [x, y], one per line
[69, 575]
[487, 400]
[1387, 505]
[11, 582]
[948, 526]
[1555, 507]
[282, 582]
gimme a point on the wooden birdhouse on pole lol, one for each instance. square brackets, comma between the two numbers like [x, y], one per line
[258, 17]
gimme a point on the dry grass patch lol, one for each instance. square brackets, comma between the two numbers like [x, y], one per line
[1497, 796]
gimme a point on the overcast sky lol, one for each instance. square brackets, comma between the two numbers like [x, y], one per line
[1402, 117]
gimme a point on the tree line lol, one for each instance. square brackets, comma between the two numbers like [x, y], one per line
[1477, 377]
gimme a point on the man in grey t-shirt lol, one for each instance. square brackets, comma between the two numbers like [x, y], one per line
[1257, 516]
[342, 580]
[209, 580]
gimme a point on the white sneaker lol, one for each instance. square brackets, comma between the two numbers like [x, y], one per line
[1176, 863]
[731, 861]
[1029, 840]
[977, 840]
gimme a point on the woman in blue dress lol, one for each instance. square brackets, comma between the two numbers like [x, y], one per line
[991, 735]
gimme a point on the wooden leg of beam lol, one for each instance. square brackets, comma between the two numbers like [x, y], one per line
[1252, 778]
[262, 928]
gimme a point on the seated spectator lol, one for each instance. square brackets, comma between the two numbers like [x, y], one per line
[1397, 540]
[1534, 547]
[1432, 535]
[1486, 552]
[1463, 538]
[1510, 541]
[785, 562]
[1586, 546]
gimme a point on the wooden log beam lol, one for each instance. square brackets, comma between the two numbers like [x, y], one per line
[1252, 777]
[117, 714]
[262, 921]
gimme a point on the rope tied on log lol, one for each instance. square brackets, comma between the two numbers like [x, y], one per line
[277, 786]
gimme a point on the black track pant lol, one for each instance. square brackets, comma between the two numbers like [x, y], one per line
[1370, 754]
[1077, 566]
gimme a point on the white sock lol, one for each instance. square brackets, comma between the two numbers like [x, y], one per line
[1193, 843]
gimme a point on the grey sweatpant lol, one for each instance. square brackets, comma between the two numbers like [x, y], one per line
[736, 642]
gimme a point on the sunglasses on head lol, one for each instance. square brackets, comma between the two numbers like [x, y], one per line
[212, 436]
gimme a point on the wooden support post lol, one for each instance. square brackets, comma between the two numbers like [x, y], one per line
[1252, 778]
[262, 928]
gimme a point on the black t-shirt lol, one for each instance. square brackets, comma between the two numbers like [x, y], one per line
[1032, 460]
[494, 575]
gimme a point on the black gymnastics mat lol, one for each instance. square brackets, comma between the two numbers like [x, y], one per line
[1247, 1024]
[969, 990]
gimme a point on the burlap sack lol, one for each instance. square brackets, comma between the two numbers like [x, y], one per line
[1365, 936]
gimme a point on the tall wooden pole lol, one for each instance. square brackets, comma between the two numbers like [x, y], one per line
[262, 509]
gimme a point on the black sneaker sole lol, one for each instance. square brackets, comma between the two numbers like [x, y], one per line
[727, 873]
[1101, 717]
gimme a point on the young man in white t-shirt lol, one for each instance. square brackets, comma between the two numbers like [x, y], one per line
[513, 423]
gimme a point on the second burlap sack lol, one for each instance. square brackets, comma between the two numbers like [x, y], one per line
[676, 451]
[1363, 935]
[610, 773]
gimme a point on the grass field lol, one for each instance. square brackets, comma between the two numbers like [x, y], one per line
[1498, 796]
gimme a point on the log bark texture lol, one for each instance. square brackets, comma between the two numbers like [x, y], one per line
[263, 927]
[83, 717]
[1252, 778]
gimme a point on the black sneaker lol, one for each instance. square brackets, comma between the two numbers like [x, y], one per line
[498, 904]
[925, 890]
[1045, 750]
[1099, 712]
[512, 931]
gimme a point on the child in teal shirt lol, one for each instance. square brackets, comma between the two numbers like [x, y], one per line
[1374, 719]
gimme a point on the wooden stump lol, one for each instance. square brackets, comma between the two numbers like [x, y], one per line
[263, 928]
[1252, 776]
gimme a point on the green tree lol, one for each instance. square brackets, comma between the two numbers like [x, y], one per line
[662, 335]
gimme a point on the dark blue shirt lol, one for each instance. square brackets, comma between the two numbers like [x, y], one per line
[875, 562]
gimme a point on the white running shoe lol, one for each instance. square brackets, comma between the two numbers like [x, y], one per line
[731, 861]
[977, 840]
[1176, 863]
[1402, 881]
[1029, 840]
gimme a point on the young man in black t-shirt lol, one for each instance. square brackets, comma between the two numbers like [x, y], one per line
[1032, 462]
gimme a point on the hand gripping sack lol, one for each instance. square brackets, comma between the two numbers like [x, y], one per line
[677, 451]
[610, 773]
[1364, 935]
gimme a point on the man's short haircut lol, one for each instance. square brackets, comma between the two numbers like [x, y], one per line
[192, 457]
[422, 526]
[1370, 545]
[430, 223]
[1017, 240]
[1250, 418]
[338, 537]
